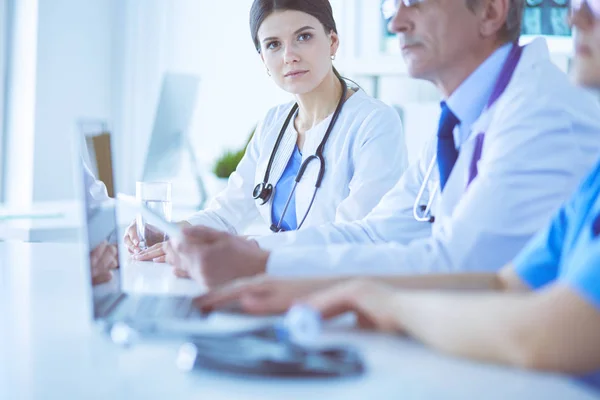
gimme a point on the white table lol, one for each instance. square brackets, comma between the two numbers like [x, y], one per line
[49, 350]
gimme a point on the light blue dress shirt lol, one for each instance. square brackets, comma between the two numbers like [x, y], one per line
[282, 192]
[469, 100]
[568, 251]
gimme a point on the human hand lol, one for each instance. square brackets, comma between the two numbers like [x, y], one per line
[103, 259]
[261, 294]
[372, 302]
[213, 258]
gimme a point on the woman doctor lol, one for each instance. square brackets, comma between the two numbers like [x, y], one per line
[344, 149]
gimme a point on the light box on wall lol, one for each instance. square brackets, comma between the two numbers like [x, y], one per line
[547, 18]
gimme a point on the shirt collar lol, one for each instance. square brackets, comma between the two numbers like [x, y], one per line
[470, 99]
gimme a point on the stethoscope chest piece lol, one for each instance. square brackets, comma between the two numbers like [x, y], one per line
[263, 192]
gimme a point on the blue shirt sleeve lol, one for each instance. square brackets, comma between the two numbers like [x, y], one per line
[537, 264]
[583, 273]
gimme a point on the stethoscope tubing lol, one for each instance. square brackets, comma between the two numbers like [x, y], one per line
[259, 191]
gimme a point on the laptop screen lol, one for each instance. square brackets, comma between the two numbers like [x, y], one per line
[101, 236]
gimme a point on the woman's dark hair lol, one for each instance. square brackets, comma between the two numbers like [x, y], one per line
[320, 9]
[261, 9]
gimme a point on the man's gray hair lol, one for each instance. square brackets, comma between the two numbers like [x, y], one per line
[511, 30]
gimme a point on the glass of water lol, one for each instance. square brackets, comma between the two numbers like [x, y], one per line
[157, 197]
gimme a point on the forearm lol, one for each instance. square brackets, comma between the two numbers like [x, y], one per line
[420, 257]
[458, 282]
[552, 330]
[484, 281]
[484, 327]
[326, 234]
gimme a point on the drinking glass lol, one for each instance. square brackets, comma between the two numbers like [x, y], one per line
[157, 197]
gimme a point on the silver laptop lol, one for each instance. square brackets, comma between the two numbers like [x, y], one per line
[110, 303]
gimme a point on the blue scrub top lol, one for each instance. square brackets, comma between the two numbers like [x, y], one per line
[568, 251]
[282, 192]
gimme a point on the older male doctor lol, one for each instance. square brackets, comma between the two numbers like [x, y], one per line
[515, 137]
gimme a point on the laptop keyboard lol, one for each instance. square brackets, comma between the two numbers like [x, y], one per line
[104, 305]
[144, 307]
[160, 307]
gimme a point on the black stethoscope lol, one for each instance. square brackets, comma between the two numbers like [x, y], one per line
[264, 190]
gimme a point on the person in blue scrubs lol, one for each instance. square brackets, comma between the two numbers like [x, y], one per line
[542, 311]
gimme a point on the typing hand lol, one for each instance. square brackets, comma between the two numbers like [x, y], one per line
[373, 303]
[260, 295]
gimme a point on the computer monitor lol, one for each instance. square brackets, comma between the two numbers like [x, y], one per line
[168, 141]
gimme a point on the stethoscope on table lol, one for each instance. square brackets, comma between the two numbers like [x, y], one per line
[421, 212]
[264, 190]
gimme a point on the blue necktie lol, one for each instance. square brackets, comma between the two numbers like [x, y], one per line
[596, 227]
[446, 150]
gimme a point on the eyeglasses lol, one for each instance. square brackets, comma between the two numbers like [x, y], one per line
[389, 8]
[592, 5]
[540, 3]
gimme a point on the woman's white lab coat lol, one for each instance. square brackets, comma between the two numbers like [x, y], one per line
[365, 156]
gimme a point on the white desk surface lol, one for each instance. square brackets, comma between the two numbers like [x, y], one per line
[49, 350]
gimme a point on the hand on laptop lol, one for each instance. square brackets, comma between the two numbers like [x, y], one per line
[213, 257]
[261, 294]
[374, 304]
[103, 259]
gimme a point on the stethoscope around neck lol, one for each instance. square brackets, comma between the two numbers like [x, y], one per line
[422, 212]
[264, 190]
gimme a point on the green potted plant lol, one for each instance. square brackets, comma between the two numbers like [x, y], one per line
[226, 164]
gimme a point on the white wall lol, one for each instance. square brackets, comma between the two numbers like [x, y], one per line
[63, 59]
[73, 82]
[213, 40]
[207, 38]
[20, 110]
[139, 64]
[4, 32]
[104, 59]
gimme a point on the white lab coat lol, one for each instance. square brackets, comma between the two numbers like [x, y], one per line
[365, 156]
[542, 136]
